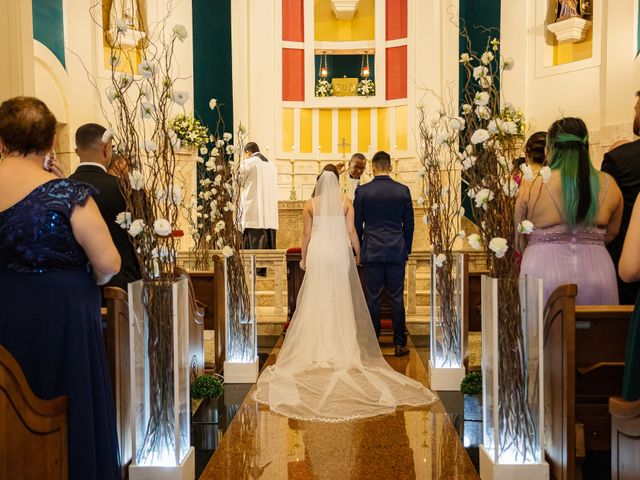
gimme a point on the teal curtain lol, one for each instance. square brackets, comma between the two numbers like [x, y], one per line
[48, 26]
[477, 16]
[212, 74]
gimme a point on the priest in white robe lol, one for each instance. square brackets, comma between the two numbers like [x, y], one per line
[354, 176]
[259, 200]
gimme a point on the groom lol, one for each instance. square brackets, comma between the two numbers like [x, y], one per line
[384, 222]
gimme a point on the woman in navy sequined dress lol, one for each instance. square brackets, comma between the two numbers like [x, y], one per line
[54, 250]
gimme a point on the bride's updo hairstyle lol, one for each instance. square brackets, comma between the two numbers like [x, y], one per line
[568, 152]
[26, 126]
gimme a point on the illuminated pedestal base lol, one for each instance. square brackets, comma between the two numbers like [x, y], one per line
[235, 372]
[185, 471]
[445, 379]
[522, 471]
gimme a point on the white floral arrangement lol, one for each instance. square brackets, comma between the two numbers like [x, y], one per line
[190, 131]
[366, 88]
[324, 88]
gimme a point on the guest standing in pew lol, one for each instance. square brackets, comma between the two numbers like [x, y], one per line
[623, 164]
[575, 213]
[629, 271]
[54, 250]
[95, 155]
[384, 222]
[259, 201]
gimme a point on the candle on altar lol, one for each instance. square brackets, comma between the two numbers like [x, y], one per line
[318, 160]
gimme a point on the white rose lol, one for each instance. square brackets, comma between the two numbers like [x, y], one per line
[173, 138]
[527, 173]
[219, 226]
[468, 161]
[483, 112]
[510, 189]
[420, 201]
[422, 172]
[486, 58]
[124, 220]
[440, 259]
[479, 136]
[545, 173]
[466, 109]
[136, 179]
[136, 227]
[492, 126]
[481, 98]
[227, 137]
[220, 143]
[180, 32]
[498, 245]
[483, 197]
[508, 63]
[107, 136]
[210, 165]
[472, 192]
[227, 251]
[146, 69]
[214, 152]
[230, 149]
[474, 241]
[456, 123]
[525, 227]
[213, 103]
[510, 127]
[465, 58]
[162, 227]
[180, 97]
[485, 82]
[203, 150]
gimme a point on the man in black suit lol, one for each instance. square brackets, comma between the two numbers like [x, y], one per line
[95, 156]
[623, 164]
[384, 222]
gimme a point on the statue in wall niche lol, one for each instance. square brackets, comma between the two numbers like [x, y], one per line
[572, 8]
[131, 12]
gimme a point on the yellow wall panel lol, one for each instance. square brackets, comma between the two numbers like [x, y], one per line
[383, 130]
[401, 128]
[326, 130]
[329, 29]
[344, 129]
[573, 52]
[306, 115]
[287, 129]
[364, 130]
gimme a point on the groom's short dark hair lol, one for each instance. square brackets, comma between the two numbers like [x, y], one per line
[381, 161]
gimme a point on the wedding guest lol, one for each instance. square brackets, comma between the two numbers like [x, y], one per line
[623, 165]
[384, 222]
[629, 271]
[95, 155]
[258, 201]
[54, 250]
[354, 176]
[574, 214]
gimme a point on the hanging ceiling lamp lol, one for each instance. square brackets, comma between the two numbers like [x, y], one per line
[324, 71]
[364, 70]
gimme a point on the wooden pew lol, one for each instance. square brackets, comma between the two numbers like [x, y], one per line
[33, 432]
[584, 350]
[625, 439]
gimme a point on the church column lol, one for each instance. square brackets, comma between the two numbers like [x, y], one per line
[16, 48]
[240, 43]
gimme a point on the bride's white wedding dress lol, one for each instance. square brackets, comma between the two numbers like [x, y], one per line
[330, 367]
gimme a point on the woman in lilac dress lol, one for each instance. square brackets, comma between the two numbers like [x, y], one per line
[575, 212]
[54, 249]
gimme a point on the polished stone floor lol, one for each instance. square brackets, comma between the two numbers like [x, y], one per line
[410, 444]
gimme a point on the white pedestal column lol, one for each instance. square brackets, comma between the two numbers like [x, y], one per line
[489, 470]
[187, 180]
[185, 471]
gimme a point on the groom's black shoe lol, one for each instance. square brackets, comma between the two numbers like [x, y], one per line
[401, 350]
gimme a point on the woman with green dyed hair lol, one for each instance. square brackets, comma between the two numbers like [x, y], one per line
[569, 212]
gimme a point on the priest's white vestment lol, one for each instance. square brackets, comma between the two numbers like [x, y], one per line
[259, 198]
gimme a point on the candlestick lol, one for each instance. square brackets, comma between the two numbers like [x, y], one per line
[292, 194]
[318, 160]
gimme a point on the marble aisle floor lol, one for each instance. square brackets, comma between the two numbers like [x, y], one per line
[410, 444]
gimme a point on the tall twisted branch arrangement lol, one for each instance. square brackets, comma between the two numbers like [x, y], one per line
[493, 137]
[140, 110]
[440, 173]
[218, 228]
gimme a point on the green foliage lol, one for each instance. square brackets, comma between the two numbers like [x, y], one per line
[471, 384]
[206, 386]
[190, 131]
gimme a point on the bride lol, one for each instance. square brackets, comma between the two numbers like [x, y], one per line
[330, 367]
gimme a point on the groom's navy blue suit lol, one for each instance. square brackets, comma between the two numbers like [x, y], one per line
[384, 222]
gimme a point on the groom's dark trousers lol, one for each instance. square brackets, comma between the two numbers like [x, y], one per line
[384, 222]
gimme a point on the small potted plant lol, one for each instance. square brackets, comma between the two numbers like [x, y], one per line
[471, 388]
[204, 388]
